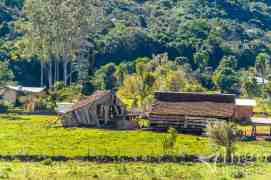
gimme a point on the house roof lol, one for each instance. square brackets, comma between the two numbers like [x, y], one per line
[245, 102]
[89, 100]
[26, 89]
[261, 121]
[261, 81]
[194, 104]
[194, 97]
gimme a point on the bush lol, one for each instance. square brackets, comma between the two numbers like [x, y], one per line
[225, 135]
[47, 162]
[143, 123]
[238, 174]
[169, 141]
[3, 107]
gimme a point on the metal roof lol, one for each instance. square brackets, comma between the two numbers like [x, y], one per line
[27, 89]
[245, 102]
[261, 121]
[261, 81]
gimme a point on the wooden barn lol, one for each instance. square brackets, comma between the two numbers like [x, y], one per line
[102, 109]
[190, 111]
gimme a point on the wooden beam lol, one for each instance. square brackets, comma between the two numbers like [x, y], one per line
[107, 115]
[87, 116]
[77, 116]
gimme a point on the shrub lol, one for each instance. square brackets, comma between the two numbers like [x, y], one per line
[3, 107]
[142, 123]
[169, 141]
[238, 174]
[225, 135]
[47, 162]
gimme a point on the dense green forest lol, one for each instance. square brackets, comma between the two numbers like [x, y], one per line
[137, 46]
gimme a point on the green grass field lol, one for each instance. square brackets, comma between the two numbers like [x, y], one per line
[35, 135]
[131, 171]
[38, 135]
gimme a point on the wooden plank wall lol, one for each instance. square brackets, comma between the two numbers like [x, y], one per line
[180, 122]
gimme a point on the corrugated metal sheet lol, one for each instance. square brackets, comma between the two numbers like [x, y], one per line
[27, 89]
[245, 102]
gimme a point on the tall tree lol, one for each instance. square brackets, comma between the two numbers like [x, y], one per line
[6, 74]
[225, 77]
[201, 59]
[262, 65]
[56, 29]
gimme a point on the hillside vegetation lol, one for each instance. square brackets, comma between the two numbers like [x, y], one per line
[212, 45]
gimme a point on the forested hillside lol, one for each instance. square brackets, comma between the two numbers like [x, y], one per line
[220, 45]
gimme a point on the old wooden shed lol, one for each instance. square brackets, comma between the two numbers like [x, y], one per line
[102, 109]
[190, 111]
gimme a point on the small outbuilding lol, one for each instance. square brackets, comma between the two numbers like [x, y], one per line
[244, 109]
[190, 111]
[102, 109]
[25, 95]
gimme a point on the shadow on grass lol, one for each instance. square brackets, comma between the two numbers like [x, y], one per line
[59, 126]
[243, 159]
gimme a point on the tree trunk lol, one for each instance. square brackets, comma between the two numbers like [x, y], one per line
[65, 66]
[41, 74]
[55, 71]
[50, 75]
[228, 154]
[71, 71]
[92, 64]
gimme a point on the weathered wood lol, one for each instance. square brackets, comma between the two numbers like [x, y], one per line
[180, 122]
[107, 114]
[77, 116]
[111, 110]
[87, 116]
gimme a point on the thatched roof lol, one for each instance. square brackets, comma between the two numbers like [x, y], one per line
[89, 100]
[194, 104]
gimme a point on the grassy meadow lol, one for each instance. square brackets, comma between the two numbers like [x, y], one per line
[38, 135]
[131, 171]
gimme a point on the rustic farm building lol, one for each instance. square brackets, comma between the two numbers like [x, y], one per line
[102, 109]
[190, 111]
[25, 95]
[244, 109]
